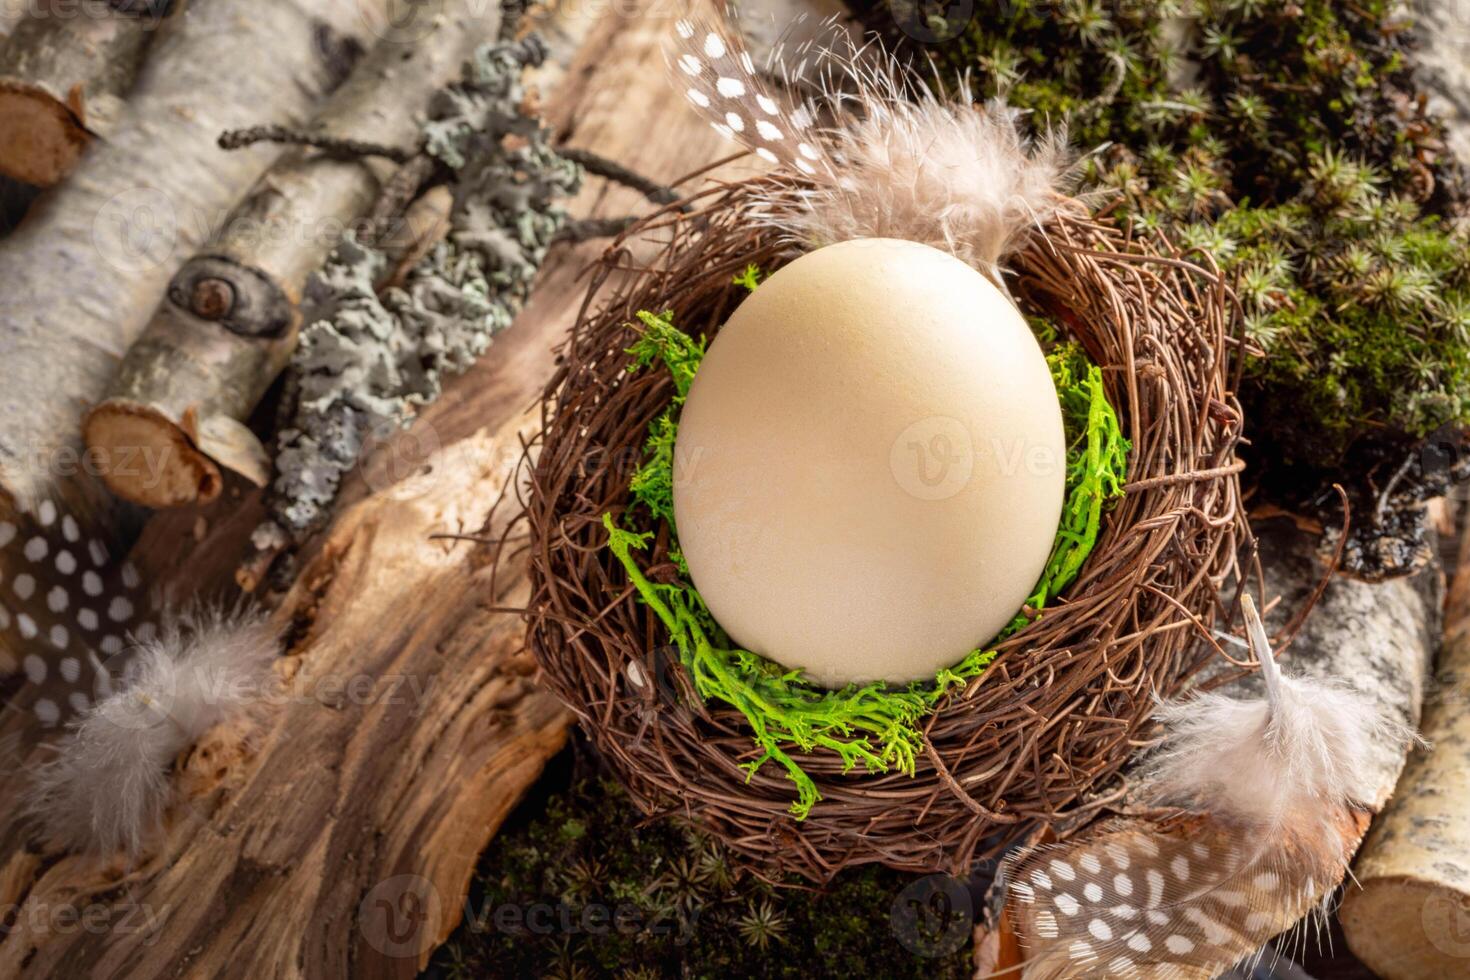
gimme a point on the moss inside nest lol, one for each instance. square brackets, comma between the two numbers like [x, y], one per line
[876, 726]
[1288, 140]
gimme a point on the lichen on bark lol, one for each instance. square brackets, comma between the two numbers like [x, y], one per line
[368, 359]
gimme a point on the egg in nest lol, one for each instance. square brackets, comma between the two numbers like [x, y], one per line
[870, 466]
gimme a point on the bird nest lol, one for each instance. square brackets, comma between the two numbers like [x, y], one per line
[1042, 734]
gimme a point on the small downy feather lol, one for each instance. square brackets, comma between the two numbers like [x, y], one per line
[891, 159]
[108, 787]
[1268, 792]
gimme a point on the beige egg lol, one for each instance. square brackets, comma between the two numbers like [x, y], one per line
[870, 467]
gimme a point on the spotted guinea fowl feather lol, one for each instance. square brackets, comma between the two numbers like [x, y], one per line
[1271, 794]
[875, 154]
[713, 66]
[124, 681]
[68, 609]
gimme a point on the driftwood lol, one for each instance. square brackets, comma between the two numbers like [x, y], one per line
[231, 316]
[86, 269]
[294, 855]
[399, 747]
[1410, 920]
[64, 72]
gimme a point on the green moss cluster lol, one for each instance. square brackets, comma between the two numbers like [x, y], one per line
[1287, 138]
[584, 888]
[873, 725]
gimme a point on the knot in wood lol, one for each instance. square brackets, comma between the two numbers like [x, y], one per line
[212, 299]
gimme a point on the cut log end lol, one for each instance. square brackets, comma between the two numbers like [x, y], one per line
[43, 139]
[1409, 929]
[146, 457]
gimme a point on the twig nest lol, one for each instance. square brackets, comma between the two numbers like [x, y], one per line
[1041, 733]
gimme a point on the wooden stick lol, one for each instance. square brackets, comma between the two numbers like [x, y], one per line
[1411, 917]
[229, 321]
[86, 270]
[64, 72]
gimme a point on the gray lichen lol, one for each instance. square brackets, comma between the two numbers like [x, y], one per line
[366, 362]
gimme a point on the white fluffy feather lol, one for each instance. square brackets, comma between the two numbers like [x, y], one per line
[107, 787]
[1271, 785]
[1306, 746]
[892, 159]
[959, 177]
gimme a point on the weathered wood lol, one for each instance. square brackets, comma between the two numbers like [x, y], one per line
[84, 272]
[1410, 920]
[289, 857]
[64, 72]
[400, 746]
[229, 321]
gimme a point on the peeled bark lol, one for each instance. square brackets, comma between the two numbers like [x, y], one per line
[85, 271]
[229, 321]
[64, 72]
[1410, 920]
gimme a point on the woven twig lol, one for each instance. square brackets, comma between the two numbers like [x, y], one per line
[1043, 734]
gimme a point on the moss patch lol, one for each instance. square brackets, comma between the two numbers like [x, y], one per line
[580, 886]
[1286, 138]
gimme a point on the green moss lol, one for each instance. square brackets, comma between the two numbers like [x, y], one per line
[875, 726]
[586, 858]
[1286, 140]
[663, 343]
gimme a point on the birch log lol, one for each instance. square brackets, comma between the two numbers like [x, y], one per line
[86, 269]
[228, 323]
[1410, 920]
[64, 72]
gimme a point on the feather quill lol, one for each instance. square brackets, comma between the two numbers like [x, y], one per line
[1270, 794]
[889, 159]
[107, 787]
